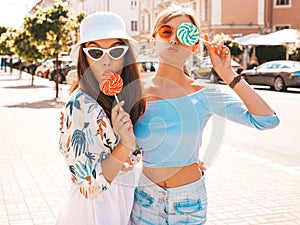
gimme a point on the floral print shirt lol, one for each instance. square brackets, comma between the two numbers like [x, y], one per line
[86, 139]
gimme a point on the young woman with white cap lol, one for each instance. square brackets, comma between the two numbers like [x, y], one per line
[96, 134]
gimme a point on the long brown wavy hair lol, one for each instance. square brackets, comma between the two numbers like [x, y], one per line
[131, 92]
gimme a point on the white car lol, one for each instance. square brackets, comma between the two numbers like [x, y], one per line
[147, 66]
[71, 76]
[44, 68]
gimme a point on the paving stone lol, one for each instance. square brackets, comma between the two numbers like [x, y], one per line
[34, 178]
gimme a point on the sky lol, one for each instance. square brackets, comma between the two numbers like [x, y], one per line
[12, 12]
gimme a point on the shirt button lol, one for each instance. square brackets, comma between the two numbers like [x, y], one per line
[163, 215]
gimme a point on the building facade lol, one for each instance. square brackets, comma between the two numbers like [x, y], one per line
[127, 9]
[284, 14]
[235, 18]
[232, 17]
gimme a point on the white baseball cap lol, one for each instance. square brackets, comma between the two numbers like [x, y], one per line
[103, 25]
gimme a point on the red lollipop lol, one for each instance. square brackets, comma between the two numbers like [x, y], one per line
[111, 84]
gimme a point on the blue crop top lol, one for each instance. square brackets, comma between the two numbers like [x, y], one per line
[170, 131]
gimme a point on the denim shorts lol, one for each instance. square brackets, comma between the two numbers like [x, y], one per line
[159, 206]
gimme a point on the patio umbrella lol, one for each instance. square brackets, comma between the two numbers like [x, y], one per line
[281, 37]
[241, 40]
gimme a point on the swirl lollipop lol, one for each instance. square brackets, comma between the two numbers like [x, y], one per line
[188, 34]
[111, 84]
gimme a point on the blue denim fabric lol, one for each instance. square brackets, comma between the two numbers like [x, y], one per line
[154, 205]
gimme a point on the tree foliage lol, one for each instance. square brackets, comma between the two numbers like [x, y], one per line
[50, 27]
[268, 53]
[3, 30]
[295, 55]
[79, 18]
[6, 43]
[25, 48]
[235, 48]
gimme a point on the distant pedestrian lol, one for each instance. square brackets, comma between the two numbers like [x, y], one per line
[97, 136]
[20, 68]
[11, 64]
[253, 62]
[5, 64]
[2, 62]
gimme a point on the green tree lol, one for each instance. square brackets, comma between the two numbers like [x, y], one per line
[79, 18]
[295, 55]
[266, 53]
[27, 49]
[5, 46]
[6, 43]
[76, 25]
[2, 30]
[50, 28]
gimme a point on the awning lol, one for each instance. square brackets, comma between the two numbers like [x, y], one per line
[282, 37]
[241, 40]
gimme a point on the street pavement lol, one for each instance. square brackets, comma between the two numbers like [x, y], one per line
[242, 189]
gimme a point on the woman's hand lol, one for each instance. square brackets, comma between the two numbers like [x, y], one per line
[221, 59]
[61, 121]
[128, 165]
[201, 166]
[122, 124]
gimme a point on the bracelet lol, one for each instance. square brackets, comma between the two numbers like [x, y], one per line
[136, 151]
[235, 80]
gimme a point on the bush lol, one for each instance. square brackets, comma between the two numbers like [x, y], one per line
[268, 53]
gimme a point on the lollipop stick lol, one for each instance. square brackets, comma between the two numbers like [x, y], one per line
[202, 39]
[116, 97]
[117, 100]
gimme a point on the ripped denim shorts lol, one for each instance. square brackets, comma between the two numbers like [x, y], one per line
[157, 205]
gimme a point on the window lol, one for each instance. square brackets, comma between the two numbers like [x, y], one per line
[133, 4]
[281, 27]
[275, 66]
[134, 25]
[282, 2]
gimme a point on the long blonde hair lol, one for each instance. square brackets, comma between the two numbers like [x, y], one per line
[169, 13]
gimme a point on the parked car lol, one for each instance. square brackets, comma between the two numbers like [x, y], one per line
[71, 76]
[205, 70]
[18, 63]
[64, 66]
[31, 67]
[44, 68]
[147, 66]
[278, 74]
[202, 70]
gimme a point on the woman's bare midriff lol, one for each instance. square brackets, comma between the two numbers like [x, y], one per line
[170, 177]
